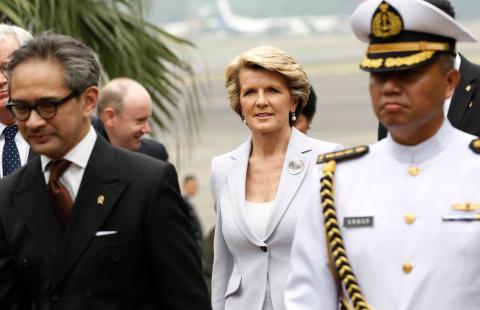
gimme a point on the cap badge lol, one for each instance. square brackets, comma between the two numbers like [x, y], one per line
[386, 22]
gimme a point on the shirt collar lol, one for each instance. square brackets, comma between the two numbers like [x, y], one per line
[79, 154]
[424, 150]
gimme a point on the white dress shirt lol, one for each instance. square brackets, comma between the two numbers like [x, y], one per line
[79, 156]
[411, 258]
[22, 146]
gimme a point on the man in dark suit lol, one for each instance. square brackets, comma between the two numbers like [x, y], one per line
[125, 107]
[86, 225]
[463, 108]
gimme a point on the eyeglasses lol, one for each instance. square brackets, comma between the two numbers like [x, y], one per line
[45, 108]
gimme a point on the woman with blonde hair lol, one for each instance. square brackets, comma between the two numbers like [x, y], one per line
[259, 188]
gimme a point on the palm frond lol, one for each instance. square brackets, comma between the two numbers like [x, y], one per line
[126, 45]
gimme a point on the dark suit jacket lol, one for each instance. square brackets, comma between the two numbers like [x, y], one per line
[99, 127]
[153, 148]
[150, 263]
[464, 111]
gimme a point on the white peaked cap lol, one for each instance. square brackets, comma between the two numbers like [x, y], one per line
[417, 15]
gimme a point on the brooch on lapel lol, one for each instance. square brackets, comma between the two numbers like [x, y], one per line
[296, 166]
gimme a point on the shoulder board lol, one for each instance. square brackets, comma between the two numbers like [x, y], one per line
[475, 146]
[342, 155]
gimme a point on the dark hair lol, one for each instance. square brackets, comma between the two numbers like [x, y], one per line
[81, 70]
[311, 106]
[443, 5]
[189, 177]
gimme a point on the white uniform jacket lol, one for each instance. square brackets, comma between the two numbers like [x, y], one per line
[411, 258]
[243, 261]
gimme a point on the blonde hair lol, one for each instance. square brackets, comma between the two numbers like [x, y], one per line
[272, 59]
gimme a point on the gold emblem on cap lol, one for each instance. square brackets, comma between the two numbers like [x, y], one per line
[100, 200]
[466, 206]
[386, 23]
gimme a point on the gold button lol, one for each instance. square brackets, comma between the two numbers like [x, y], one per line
[409, 218]
[413, 171]
[468, 87]
[407, 267]
[471, 104]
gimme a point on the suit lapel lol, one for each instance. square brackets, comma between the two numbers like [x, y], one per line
[90, 210]
[31, 202]
[463, 94]
[289, 182]
[236, 178]
[31, 154]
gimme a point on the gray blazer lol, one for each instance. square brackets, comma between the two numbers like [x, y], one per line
[243, 261]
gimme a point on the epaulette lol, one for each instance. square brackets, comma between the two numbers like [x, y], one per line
[342, 155]
[475, 146]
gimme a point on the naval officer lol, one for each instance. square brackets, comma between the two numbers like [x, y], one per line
[398, 224]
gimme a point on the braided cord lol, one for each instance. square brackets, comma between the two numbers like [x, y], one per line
[335, 240]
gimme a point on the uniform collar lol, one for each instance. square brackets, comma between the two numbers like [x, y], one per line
[424, 150]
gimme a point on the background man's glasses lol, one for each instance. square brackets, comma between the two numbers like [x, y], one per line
[45, 108]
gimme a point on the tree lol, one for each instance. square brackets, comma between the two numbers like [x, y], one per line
[125, 43]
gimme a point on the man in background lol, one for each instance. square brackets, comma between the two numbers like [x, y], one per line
[189, 190]
[125, 107]
[304, 120]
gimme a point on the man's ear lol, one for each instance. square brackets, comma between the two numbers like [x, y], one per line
[90, 97]
[108, 116]
[451, 78]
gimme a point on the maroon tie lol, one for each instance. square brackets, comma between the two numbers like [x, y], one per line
[59, 197]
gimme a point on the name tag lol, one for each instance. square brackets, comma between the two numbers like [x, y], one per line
[358, 221]
[461, 217]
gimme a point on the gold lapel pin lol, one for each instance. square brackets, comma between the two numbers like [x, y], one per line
[413, 171]
[466, 206]
[100, 200]
[468, 87]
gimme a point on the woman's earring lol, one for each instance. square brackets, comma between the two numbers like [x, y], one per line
[243, 119]
[294, 118]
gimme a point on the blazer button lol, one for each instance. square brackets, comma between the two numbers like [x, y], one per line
[55, 297]
[263, 248]
[26, 263]
[115, 257]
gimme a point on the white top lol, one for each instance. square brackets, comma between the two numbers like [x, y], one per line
[79, 156]
[22, 146]
[258, 214]
[410, 258]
